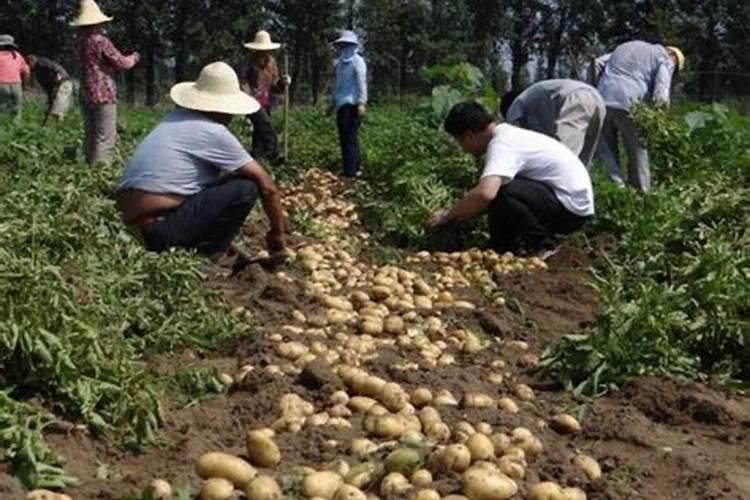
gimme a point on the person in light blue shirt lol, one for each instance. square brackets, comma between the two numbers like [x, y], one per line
[349, 98]
[634, 72]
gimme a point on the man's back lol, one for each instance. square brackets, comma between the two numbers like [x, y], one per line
[630, 73]
[49, 74]
[538, 107]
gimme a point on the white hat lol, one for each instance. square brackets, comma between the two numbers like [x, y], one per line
[347, 36]
[90, 15]
[7, 41]
[262, 42]
[217, 90]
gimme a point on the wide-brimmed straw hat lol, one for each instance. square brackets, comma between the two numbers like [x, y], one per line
[679, 55]
[217, 91]
[347, 37]
[8, 41]
[262, 42]
[90, 14]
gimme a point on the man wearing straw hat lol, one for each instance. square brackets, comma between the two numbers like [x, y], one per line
[262, 76]
[13, 71]
[98, 61]
[634, 72]
[190, 183]
[349, 98]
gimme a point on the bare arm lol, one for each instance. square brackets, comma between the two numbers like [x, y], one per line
[271, 199]
[473, 204]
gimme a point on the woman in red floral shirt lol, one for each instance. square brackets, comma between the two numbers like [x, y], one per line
[98, 61]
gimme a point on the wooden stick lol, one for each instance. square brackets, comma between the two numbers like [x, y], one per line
[286, 109]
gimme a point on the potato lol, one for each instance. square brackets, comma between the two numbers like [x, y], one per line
[394, 325]
[380, 292]
[45, 495]
[159, 489]
[413, 439]
[361, 403]
[480, 447]
[261, 449]
[422, 302]
[349, 492]
[573, 494]
[363, 474]
[370, 386]
[421, 478]
[317, 419]
[371, 326]
[477, 400]
[429, 416]
[216, 488]
[545, 491]
[515, 453]
[393, 397]
[463, 430]
[336, 316]
[291, 350]
[421, 397]
[500, 441]
[427, 494]
[444, 398]
[387, 426]
[565, 424]
[223, 465]
[263, 487]
[294, 407]
[393, 484]
[507, 405]
[439, 432]
[339, 303]
[455, 457]
[496, 378]
[321, 484]
[524, 392]
[589, 466]
[339, 398]
[362, 447]
[483, 484]
[511, 467]
[403, 460]
[484, 428]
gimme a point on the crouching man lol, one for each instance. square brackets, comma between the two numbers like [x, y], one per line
[190, 183]
[532, 186]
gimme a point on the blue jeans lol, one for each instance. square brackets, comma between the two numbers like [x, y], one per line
[348, 122]
[207, 221]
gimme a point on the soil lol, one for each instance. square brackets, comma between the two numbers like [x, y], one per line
[654, 439]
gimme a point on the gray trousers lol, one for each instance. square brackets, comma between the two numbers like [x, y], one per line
[100, 121]
[619, 123]
[11, 100]
[580, 123]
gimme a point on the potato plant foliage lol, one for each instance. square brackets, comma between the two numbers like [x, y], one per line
[84, 309]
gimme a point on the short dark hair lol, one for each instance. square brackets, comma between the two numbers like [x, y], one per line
[507, 100]
[467, 116]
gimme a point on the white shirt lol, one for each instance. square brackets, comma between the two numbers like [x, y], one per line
[515, 152]
[183, 155]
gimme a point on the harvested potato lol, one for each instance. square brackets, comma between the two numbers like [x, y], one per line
[363, 474]
[427, 494]
[394, 325]
[362, 447]
[216, 488]
[403, 460]
[322, 484]
[226, 466]
[291, 350]
[439, 432]
[484, 484]
[574, 494]
[361, 403]
[477, 400]
[512, 467]
[429, 416]
[589, 466]
[565, 424]
[339, 303]
[393, 484]
[349, 492]
[387, 426]
[444, 398]
[46, 495]
[455, 457]
[159, 489]
[339, 398]
[263, 487]
[261, 448]
[545, 491]
[393, 397]
[484, 428]
[421, 478]
[507, 405]
[524, 392]
[421, 397]
[413, 438]
[480, 446]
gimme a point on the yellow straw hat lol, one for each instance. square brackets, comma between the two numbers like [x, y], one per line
[679, 55]
[262, 42]
[216, 91]
[90, 14]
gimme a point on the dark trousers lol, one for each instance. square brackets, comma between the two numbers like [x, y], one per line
[265, 141]
[207, 221]
[526, 215]
[347, 120]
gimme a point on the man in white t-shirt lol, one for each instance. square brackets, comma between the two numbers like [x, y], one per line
[532, 187]
[190, 183]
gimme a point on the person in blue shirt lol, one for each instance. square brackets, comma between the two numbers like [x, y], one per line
[634, 72]
[349, 98]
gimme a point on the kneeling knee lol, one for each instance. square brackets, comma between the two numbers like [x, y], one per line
[246, 191]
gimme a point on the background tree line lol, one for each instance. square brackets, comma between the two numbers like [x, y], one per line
[509, 40]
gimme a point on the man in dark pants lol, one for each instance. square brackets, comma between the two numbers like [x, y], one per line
[55, 82]
[532, 187]
[349, 99]
[190, 183]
